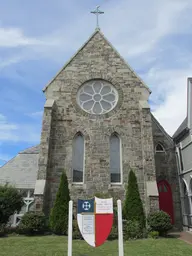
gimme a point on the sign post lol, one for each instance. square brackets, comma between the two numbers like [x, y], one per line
[95, 220]
[120, 229]
[70, 228]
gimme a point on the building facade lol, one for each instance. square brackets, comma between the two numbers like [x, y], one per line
[97, 126]
[183, 142]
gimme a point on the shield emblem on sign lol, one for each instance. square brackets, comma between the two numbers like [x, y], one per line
[95, 219]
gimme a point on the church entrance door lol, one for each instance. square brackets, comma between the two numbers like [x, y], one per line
[165, 198]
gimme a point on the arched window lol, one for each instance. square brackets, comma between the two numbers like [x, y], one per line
[78, 158]
[159, 148]
[185, 200]
[191, 187]
[115, 159]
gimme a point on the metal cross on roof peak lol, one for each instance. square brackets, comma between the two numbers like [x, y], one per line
[97, 12]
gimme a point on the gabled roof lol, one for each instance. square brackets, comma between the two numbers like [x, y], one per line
[161, 128]
[31, 150]
[182, 128]
[90, 38]
[21, 171]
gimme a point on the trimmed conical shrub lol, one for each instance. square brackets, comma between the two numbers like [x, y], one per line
[58, 220]
[133, 207]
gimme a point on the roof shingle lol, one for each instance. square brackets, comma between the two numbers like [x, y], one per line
[21, 171]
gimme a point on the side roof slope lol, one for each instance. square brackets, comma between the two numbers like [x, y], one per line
[21, 171]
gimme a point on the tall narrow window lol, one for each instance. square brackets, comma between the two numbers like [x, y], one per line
[181, 159]
[78, 158]
[115, 159]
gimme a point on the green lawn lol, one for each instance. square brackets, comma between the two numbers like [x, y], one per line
[57, 246]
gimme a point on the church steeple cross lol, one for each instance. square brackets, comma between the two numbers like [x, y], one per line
[97, 12]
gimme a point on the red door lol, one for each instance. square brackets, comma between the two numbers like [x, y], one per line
[165, 198]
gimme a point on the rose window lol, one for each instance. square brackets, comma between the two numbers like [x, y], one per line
[97, 97]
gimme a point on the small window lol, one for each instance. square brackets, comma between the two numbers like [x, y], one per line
[162, 188]
[165, 188]
[159, 148]
[181, 159]
[78, 158]
[185, 189]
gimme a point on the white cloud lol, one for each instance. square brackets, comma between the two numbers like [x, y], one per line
[5, 127]
[134, 30]
[35, 114]
[137, 30]
[18, 132]
[14, 37]
[26, 48]
[2, 118]
[4, 157]
[171, 87]
[6, 62]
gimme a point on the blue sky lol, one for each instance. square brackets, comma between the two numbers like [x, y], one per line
[38, 37]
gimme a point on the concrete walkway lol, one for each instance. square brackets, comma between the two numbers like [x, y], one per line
[186, 236]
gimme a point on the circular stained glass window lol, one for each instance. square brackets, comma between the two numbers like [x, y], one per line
[97, 97]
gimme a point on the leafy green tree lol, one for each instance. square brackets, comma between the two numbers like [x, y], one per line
[10, 201]
[58, 220]
[133, 207]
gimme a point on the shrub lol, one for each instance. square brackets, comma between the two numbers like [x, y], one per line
[10, 201]
[145, 233]
[12, 230]
[58, 220]
[2, 230]
[113, 234]
[132, 230]
[153, 234]
[32, 224]
[133, 207]
[159, 221]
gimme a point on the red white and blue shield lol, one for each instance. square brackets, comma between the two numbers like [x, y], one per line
[95, 219]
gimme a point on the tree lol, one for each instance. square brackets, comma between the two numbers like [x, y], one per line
[10, 201]
[133, 207]
[58, 220]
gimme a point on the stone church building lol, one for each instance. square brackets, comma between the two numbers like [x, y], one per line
[97, 125]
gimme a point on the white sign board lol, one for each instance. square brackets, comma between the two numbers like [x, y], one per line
[104, 205]
[88, 224]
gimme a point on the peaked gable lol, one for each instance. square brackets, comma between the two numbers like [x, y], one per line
[157, 127]
[102, 37]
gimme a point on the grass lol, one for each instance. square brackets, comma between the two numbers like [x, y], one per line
[57, 246]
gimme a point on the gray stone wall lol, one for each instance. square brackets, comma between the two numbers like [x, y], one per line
[45, 158]
[166, 167]
[133, 124]
[148, 158]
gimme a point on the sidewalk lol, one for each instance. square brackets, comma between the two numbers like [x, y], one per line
[186, 236]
